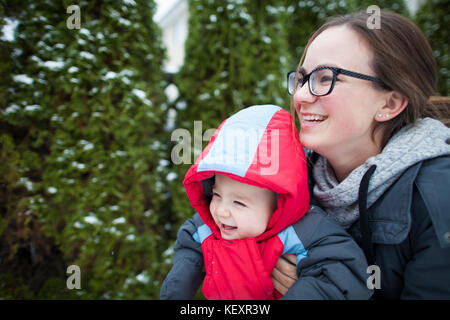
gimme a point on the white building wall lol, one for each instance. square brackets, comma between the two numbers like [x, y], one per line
[174, 25]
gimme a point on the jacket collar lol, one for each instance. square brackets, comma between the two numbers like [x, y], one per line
[389, 216]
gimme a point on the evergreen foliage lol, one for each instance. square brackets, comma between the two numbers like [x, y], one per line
[305, 17]
[235, 53]
[81, 129]
[434, 20]
[236, 56]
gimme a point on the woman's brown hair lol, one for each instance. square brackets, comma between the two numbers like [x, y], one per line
[402, 59]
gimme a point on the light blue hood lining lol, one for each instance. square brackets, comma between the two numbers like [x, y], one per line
[236, 144]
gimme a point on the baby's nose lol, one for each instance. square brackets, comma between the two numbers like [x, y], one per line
[223, 211]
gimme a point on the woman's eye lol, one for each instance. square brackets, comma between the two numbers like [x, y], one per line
[326, 79]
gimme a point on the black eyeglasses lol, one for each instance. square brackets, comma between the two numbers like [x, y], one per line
[322, 80]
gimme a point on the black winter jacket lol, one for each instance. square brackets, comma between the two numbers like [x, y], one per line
[406, 232]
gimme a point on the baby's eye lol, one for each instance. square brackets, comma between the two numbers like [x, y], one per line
[215, 194]
[241, 204]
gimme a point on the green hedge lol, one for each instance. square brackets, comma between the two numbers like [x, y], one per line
[81, 129]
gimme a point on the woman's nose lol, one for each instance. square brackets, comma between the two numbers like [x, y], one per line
[303, 96]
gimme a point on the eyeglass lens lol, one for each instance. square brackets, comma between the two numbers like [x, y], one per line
[320, 82]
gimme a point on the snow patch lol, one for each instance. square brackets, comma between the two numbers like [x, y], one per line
[171, 176]
[9, 29]
[13, 108]
[91, 220]
[53, 65]
[73, 69]
[143, 277]
[52, 190]
[32, 108]
[23, 78]
[141, 95]
[119, 220]
[87, 55]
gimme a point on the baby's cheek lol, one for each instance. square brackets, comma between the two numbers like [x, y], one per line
[213, 212]
[257, 228]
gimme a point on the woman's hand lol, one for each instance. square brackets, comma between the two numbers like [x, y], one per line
[285, 273]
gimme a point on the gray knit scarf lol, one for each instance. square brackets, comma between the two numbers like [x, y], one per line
[424, 140]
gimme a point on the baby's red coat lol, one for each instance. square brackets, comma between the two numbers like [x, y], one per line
[257, 146]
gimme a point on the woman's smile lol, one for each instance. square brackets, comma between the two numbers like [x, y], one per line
[309, 120]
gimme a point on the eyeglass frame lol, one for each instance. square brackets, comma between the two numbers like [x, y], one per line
[336, 72]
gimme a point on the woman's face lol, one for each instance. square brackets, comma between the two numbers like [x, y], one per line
[347, 114]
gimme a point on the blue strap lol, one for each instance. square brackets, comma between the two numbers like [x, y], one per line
[292, 243]
[202, 233]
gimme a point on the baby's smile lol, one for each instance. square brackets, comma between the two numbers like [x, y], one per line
[227, 229]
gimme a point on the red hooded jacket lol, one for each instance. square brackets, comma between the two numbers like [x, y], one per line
[256, 146]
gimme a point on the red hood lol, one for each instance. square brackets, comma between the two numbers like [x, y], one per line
[256, 146]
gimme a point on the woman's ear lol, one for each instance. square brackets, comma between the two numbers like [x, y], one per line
[395, 103]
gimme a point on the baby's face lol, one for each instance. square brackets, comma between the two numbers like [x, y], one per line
[241, 210]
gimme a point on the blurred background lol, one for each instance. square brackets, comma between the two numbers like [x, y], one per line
[87, 116]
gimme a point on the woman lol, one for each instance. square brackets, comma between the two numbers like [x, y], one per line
[380, 165]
